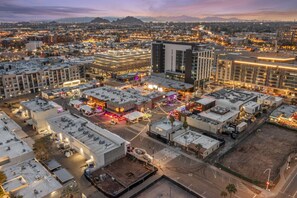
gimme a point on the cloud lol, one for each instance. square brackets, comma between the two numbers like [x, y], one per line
[19, 11]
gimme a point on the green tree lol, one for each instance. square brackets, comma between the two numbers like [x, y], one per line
[42, 147]
[231, 188]
[224, 194]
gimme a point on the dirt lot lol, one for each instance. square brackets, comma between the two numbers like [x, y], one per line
[266, 149]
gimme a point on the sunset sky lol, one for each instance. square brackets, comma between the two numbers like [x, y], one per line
[20, 10]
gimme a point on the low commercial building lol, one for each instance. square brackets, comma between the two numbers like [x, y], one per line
[164, 129]
[39, 110]
[204, 104]
[162, 84]
[26, 177]
[94, 143]
[30, 179]
[213, 120]
[285, 115]
[13, 150]
[251, 107]
[231, 98]
[66, 91]
[196, 142]
[268, 100]
[117, 101]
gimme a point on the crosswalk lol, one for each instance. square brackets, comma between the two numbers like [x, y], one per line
[165, 155]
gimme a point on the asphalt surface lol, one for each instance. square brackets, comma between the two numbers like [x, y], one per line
[190, 171]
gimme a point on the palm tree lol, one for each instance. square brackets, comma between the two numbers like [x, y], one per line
[2, 180]
[231, 188]
[171, 119]
[224, 194]
[185, 125]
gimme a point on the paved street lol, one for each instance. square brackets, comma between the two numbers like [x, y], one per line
[290, 188]
[192, 172]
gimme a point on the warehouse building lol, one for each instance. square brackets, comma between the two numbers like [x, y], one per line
[94, 143]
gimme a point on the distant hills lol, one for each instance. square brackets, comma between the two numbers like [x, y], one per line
[99, 20]
[129, 20]
[140, 20]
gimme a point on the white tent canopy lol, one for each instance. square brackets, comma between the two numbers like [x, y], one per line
[134, 115]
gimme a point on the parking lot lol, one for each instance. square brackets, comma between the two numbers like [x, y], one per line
[267, 148]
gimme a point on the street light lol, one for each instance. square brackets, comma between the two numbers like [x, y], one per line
[268, 179]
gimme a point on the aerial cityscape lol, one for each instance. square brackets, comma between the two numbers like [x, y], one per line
[148, 99]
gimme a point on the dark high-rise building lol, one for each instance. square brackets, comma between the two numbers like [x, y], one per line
[187, 62]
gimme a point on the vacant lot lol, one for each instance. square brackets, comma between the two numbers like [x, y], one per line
[266, 149]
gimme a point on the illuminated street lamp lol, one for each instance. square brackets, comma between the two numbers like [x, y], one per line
[268, 179]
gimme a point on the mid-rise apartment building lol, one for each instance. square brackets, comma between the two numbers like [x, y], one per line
[288, 34]
[32, 76]
[270, 70]
[187, 62]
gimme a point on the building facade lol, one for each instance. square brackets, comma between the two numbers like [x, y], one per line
[26, 77]
[115, 63]
[255, 71]
[187, 62]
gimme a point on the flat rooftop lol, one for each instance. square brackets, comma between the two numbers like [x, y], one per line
[285, 111]
[5, 120]
[39, 64]
[231, 97]
[32, 179]
[219, 114]
[167, 83]
[163, 126]
[97, 139]
[115, 178]
[110, 94]
[39, 105]
[205, 101]
[67, 89]
[11, 145]
[191, 137]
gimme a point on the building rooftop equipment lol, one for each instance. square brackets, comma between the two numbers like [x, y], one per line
[97, 139]
[167, 83]
[11, 146]
[231, 98]
[110, 94]
[30, 179]
[285, 111]
[191, 137]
